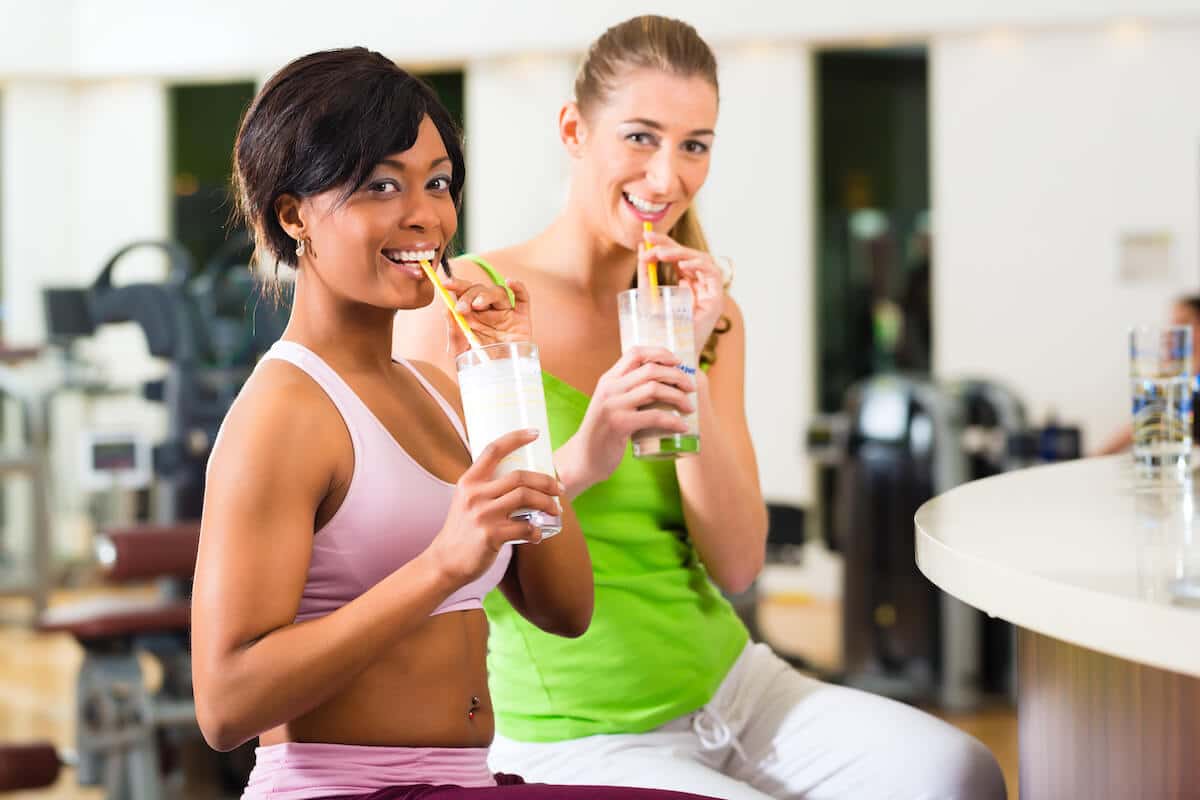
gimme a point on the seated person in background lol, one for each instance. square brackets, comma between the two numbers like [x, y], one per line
[1184, 311]
[347, 540]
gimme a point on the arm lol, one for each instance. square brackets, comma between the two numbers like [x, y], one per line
[253, 667]
[549, 584]
[722, 501]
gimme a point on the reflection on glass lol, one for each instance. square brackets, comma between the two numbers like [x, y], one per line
[1168, 555]
[1160, 368]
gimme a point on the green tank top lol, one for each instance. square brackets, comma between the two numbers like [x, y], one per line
[662, 636]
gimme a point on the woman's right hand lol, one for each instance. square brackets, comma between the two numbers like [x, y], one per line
[629, 397]
[491, 315]
[478, 523]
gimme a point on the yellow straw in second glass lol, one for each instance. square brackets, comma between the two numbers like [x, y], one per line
[651, 266]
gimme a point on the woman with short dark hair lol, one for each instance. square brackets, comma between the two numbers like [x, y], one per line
[347, 539]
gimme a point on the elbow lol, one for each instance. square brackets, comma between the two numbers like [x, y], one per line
[574, 623]
[569, 622]
[221, 732]
[738, 580]
[578, 623]
[222, 741]
[737, 575]
[222, 726]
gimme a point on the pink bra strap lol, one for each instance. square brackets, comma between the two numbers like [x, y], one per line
[441, 401]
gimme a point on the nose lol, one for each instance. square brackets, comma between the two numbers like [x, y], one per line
[420, 214]
[661, 171]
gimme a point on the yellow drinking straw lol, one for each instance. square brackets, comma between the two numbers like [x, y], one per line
[449, 301]
[651, 266]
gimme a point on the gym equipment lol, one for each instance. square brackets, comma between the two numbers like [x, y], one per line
[28, 766]
[901, 440]
[120, 724]
[32, 579]
[211, 327]
[202, 330]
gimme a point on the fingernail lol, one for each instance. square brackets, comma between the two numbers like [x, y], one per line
[562, 489]
[532, 432]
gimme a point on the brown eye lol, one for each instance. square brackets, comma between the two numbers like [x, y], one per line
[384, 187]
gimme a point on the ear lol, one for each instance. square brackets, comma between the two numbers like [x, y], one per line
[572, 129]
[289, 212]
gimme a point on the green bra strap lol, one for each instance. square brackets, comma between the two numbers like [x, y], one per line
[492, 273]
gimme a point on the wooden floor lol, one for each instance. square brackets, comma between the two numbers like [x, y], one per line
[37, 690]
[37, 699]
[37, 674]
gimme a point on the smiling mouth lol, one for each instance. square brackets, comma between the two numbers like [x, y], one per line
[409, 261]
[644, 208]
[409, 256]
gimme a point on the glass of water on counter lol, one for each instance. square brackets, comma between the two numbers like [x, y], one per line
[1160, 368]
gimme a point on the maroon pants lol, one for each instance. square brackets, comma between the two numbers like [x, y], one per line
[513, 788]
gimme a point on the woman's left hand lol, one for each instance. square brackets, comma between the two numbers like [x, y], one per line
[489, 313]
[698, 271]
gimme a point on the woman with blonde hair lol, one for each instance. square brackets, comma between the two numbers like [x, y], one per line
[665, 689]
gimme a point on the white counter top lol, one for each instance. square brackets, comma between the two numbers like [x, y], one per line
[1081, 551]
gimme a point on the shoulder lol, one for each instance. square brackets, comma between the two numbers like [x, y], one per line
[282, 419]
[730, 346]
[468, 269]
[284, 395]
[733, 329]
[734, 312]
[506, 262]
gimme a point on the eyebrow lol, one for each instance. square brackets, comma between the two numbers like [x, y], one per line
[399, 165]
[649, 123]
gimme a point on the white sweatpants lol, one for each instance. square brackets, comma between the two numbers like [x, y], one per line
[771, 732]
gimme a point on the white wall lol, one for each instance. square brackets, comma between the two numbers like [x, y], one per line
[215, 38]
[39, 223]
[37, 39]
[757, 207]
[517, 166]
[1046, 147]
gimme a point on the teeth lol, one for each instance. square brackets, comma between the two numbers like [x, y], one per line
[410, 256]
[644, 205]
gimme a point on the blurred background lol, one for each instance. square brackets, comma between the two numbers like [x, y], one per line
[943, 215]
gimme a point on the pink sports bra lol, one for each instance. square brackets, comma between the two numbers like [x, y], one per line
[392, 510]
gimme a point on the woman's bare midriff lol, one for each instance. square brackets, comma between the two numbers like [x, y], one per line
[419, 694]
